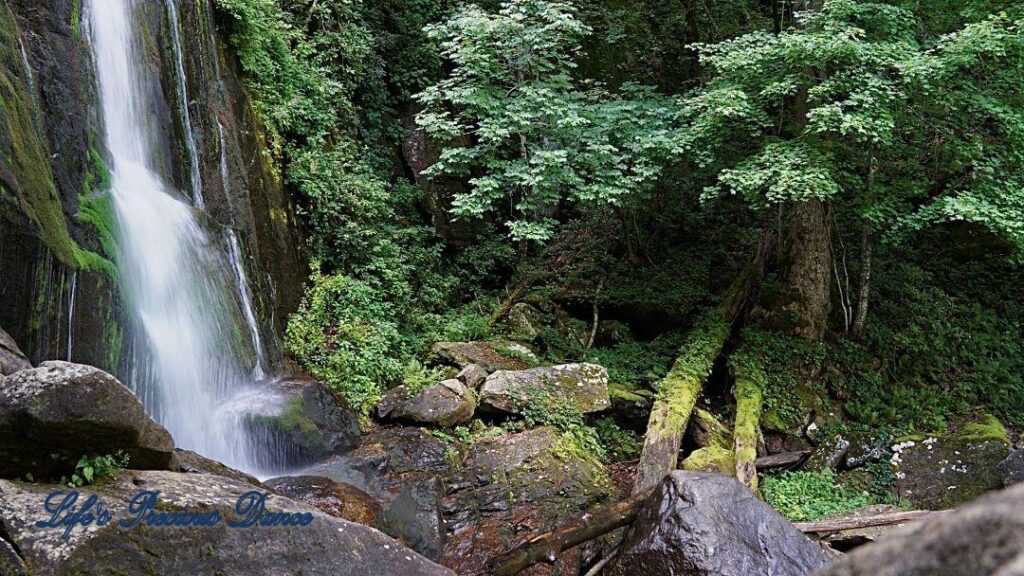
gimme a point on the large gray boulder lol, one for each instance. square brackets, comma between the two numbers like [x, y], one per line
[704, 524]
[325, 546]
[981, 538]
[445, 404]
[52, 415]
[584, 386]
[12, 359]
[305, 421]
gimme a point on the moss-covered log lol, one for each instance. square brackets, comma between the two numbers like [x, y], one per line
[749, 383]
[677, 396]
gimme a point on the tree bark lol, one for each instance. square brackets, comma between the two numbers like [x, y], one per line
[808, 267]
[864, 284]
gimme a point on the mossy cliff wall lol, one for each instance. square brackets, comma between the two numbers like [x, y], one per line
[59, 294]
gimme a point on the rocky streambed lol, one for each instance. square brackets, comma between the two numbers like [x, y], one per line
[398, 496]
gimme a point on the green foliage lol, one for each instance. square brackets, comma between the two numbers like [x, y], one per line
[806, 496]
[638, 363]
[790, 384]
[542, 409]
[619, 444]
[416, 377]
[514, 120]
[89, 470]
[344, 335]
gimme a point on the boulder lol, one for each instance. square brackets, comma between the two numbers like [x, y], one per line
[939, 473]
[301, 420]
[1011, 470]
[335, 498]
[445, 404]
[491, 356]
[524, 322]
[402, 468]
[828, 455]
[984, 537]
[697, 523]
[513, 488]
[585, 386]
[12, 359]
[325, 545]
[51, 415]
[472, 376]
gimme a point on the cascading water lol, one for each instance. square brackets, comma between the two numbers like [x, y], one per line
[184, 291]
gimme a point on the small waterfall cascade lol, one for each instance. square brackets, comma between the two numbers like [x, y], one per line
[183, 277]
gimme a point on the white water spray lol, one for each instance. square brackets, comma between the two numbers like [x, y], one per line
[180, 285]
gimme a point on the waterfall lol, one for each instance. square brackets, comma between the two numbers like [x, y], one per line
[190, 300]
[186, 120]
[247, 304]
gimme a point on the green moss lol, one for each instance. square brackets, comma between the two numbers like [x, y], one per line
[720, 435]
[292, 418]
[711, 459]
[24, 150]
[988, 428]
[76, 18]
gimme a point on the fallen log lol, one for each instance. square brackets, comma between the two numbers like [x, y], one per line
[677, 395]
[547, 547]
[781, 460]
[840, 524]
[749, 378]
[678, 392]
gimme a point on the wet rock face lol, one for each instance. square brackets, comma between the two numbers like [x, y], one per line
[700, 524]
[189, 462]
[308, 422]
[335, 498]
[490, 356]
[445, 404]
[982, 538]
[514, 488]
[12, 359]
[326, 545]
[69, 410]
[935, 474]
[585, 386]
[403, 469]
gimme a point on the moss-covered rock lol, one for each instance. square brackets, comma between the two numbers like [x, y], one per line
[584, 386]
[711, 459]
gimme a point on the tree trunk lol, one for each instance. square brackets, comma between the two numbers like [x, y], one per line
[807, 261]
[864, 284]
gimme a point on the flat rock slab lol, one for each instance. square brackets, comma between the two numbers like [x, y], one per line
[940, 473]
[491, 356]
[325, 546]
[584, 386]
